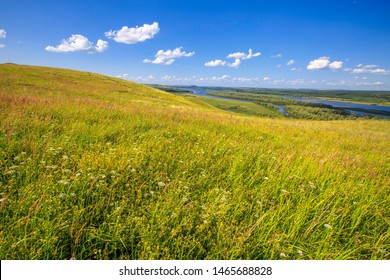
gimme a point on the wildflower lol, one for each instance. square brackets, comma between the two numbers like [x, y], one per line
[2, 200]
[300, 253]
[65, 157]
[328, 226]
[63, 182]
[266, 178]
[152, 192]
[161, 184]
[282, 255]
[133, 170]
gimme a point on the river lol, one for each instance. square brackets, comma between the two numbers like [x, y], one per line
[348, 106]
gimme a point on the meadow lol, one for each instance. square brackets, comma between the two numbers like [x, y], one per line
[94, 167]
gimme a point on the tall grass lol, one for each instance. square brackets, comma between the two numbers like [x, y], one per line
[93, 167]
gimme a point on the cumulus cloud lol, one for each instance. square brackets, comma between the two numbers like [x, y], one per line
[336, 65]
[279, 55]
[324, 63]
[235, 64]
[133, 35]
[78, 43]
[215, 63]
[369, 69]
[244, 56]
[3, 33]
[237, 56]
[168, 57]
[290, 62]
[136, 78]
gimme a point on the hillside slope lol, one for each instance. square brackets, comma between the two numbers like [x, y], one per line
[94, 167]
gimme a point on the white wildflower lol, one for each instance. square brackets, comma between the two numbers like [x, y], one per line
[328, 226]
[266, 178]
[300, 253]
[161, 184]
[282, 255]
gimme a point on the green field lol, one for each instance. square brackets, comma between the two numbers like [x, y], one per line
[94, 167]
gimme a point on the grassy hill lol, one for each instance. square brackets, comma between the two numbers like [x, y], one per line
[93, 167]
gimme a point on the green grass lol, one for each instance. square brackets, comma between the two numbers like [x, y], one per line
[239, 107]
[94, 167]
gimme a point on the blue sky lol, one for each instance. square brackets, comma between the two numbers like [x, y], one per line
[342, 44]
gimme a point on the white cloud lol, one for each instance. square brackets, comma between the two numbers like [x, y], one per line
[235, 64]
[215, 63]
[324, 63]
[148, 78]
[266, 78]
[133, 35]
[319, 63]
[279, 55]
[3, 33]
[168, 57]
[290, 62]
[369, 69]
[78, 43]
[243, 56]
[237, 56]
[336, 65]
